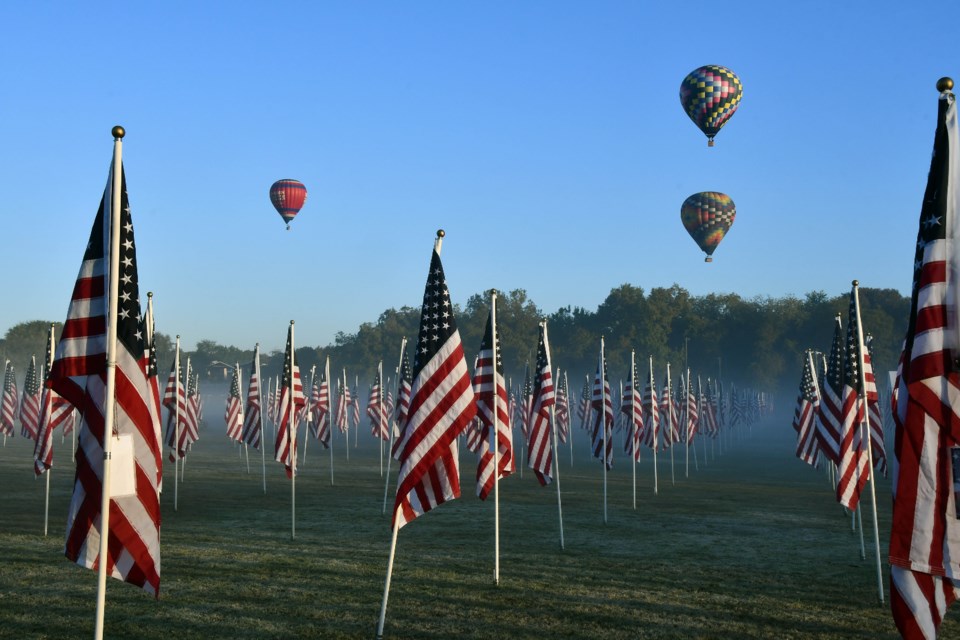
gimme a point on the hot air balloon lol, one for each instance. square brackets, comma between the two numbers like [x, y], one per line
[710, 95]
[708, 216]
[288, 197]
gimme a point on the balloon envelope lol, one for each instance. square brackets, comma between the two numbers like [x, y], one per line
[288, 197]
[708, 216]
[710, 95]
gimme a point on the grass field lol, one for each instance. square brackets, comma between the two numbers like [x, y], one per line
[752, 545]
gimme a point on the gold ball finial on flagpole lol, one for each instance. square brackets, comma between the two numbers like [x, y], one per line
[856, 283]
[441, 233]
[118, 132]
[944, 84]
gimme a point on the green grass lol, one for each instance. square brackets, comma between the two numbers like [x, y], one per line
[752, 545]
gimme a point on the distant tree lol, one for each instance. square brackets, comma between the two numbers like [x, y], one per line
[27, 339]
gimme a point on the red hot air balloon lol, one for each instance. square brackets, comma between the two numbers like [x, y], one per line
[288, 197]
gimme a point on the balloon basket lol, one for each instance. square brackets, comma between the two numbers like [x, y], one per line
[710, 142]
[708, 259]
[288, 227]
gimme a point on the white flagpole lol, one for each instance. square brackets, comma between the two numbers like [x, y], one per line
[263, 407]
[396, 522]
[292, 439]
[356, 399]
[46, 505]
[329, 416]
[700, 410]
[566, 386]
[346, 414]
[496, 443]
[686, 424]
[386, 485]
[670, 412]
[869, 439]
[656, 435]
[176, 427]
[633, 426]
[383, 387]
[554, 443]
[111, 382]
[186, 396]
[603, 427]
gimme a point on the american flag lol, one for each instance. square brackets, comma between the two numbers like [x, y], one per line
[583, 407]
[190, 429]
[852, 470]
[251, 420]
[631, 406]
[879, 449]
[377, 408]
[321, 407]
[30, 402]
[830, 416]
[175, 400]
[709, 404]
[602, 405]
[79, 374]
[925, 532]
[441, 407]
[562, 410]
[692, 414]
[526, 403]
[8, 411]
[355, 405]
[291, 400]
[147, 330]
[651, 412]
[669, 415]
[490, 391]
[540, 443]
[343, 404]
[474, 435]
[54, 411]
[233, 414]
[808, 402]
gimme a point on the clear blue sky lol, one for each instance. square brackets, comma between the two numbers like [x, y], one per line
[547, 138]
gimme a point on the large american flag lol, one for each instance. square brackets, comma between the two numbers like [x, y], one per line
[540, 441]
[631, 406]
[30, 402]
[321, 407]
[251, 420]
[233, 413]
[291, 392]
[54, 411]
[691, 411]
[651, 412]
[441, 407]
[829, 418]
[669, 414]
[343, 404]
[925, 531]
[490, 391]
[808, 401]
[8, 410]
[377, 409]
[852, 469]
[562, 410]
[602, 405]
[79, 374]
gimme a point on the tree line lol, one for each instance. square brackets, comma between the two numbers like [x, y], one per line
[757, 342]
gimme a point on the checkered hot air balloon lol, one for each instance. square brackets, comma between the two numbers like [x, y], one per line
[288, 197]
[710, 95]
[708, 216]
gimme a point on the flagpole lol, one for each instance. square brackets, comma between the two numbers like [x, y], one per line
[496, 441]
[556, 451]
[263, 447]
[686, 424]
[292, 439]
[670, 412]
[653, 407]
[383, 387]
[246, 450]
[111, 382]
[186, 397]
[869, 439]
[396, 521]
[700, 410]
[329, 415]
[46, 503]
[386, 485]
[176, 427]
[633, 426]
[346, 414]
[566, 385]
[603, 425]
